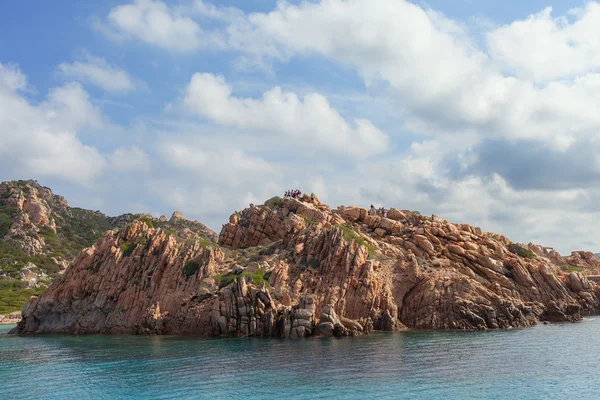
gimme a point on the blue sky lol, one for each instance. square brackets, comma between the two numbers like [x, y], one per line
[478, 111]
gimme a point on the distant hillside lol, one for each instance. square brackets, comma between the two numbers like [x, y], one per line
[40, 234]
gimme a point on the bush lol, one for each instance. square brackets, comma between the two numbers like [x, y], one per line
[13, 295]
[274, 202]
[127, 248]
[258, 277]
[6, 215]
[521, 251]
[350, 235]
[307, 220]
[190, 268]
[147, 221]
[573, 268]
[313, 263]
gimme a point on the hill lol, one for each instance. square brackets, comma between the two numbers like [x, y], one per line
[40, 234]
[296, 267]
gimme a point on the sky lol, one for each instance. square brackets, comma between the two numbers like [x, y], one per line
[479, 111]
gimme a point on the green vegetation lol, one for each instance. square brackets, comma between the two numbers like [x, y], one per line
[147, 221]
[313, 263]
[269, 251]
[307, 220]
[227, 279]
[171, 232]
[190, 268]
[14, 295]
[13, 258]
[127, 248]
[573, 268]
[520, 251]
[350, 235]
[274, 202]
[6, 215]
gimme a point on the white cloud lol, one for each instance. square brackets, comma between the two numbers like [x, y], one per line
[543, 48]
[231, 166]
[310, 122]
[41, 141]
[153, 22]
[130, 159]
[98, 72]
[12, 78]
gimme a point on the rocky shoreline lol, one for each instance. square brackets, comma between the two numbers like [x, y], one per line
[10, 319]
[297, 268]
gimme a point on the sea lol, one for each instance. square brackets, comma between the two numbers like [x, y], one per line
[556, 361]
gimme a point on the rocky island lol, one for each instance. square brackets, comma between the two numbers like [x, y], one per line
[296, 268]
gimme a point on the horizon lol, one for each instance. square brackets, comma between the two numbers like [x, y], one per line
[479, 113]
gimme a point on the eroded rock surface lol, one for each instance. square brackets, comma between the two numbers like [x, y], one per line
[297, 268]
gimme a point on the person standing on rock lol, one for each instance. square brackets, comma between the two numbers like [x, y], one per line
[373, 212]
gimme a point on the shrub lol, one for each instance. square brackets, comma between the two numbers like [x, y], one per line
[274, 202]
[171, 232]
[350, 235]
[147, 221]
[190, 268]
[307, 220]
[14, 295]
[258, 277]
[314, 263]
[6, 214]
[520, 251]
[573, 268]
[127, 248]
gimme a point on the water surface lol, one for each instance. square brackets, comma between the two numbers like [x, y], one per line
[545, 362]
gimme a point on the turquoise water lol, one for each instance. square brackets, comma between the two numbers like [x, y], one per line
[559, 361]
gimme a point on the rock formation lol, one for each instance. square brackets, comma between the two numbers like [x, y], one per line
[295, 268]
[40, 234]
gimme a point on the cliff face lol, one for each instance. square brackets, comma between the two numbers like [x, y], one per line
[40, 235]
[298, 268]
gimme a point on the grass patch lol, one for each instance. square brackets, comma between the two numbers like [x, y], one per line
[521, 251]
[258, 277]
[190, 268]
[14, 295]
[274, 202]
[127, 248]
[350, 235]
[573, 268]
[307, 220]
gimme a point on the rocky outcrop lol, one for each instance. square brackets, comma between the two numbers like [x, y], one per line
[296, 268]
[40, 234]
[12, 318]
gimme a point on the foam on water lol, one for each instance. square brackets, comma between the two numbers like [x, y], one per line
[545, 362]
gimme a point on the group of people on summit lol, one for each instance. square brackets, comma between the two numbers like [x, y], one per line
[380, 211]
[295, 194]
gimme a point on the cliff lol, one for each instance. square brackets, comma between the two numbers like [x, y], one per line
[40, 235]
[294, 268]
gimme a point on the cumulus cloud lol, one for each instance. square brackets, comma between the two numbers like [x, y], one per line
[41, 140]
[155, 23]
[310, 122]
[543, 47]
[98, 72]
[504, 130]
